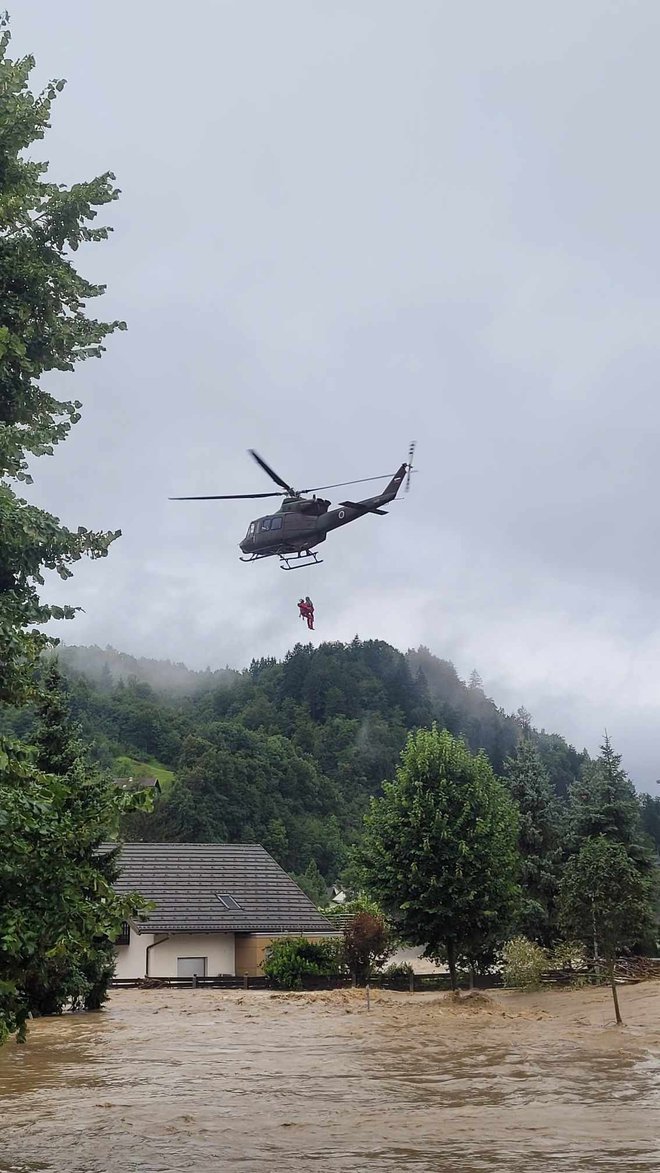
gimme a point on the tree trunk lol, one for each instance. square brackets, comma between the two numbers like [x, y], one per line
[615, 996]
[471, 976]
[593, 924]
[451, 962]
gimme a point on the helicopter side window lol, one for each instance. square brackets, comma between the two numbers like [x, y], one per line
[276, 523]
[265, 524]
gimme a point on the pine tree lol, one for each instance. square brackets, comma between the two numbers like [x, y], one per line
[78, 971]
[604, 802]
[313, 885]
[538, 841]
[650, 816]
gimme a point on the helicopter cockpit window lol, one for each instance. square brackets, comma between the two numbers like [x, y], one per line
[276, 523]
[265, 524]
[252, 529]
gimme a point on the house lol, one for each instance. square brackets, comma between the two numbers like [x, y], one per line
[216, 907]
[131, 784]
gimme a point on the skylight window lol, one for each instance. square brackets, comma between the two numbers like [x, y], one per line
[228, 901]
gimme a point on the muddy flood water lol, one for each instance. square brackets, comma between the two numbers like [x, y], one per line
[167, 1081]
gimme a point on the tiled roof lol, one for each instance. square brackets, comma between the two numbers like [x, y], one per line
[186, 883]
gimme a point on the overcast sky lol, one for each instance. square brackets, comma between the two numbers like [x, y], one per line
[346, 224]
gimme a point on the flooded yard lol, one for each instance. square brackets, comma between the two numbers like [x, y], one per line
[166, 1081]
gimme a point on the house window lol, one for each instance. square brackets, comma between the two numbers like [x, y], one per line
[124, 937]
[227, 901]
[275, 523]
[188, 967]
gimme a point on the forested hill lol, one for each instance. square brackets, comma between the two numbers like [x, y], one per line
[287, 752]
[106, 666]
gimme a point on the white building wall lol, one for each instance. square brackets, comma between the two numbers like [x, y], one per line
[218, 948]
[131, 958]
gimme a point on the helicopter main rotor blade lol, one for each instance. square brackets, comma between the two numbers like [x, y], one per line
[341, 484]
[227, 497]
[271, 472]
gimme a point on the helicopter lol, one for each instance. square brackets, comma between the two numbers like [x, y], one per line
[302, 522]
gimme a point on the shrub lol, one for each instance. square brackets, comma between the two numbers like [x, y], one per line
[290, 959]
[366, 945]
[398, 971]
[523, 963]
[569, 955]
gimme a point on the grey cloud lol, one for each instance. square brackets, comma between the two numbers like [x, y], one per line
[343, 226]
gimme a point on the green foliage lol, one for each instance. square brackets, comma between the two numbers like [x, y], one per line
[603, 802]
[569, 955]
[367, 945]
[523, 963]
[539, 841]
[58, 908]
[605, 901]
[236, 784]
[359, 903]
[398, 971]
[290, 959]
[43, 327]
[56, 897]
[125, 766]
[439, 851]
[312, 883]
[650, 819]
[221, 741]
[603, 897]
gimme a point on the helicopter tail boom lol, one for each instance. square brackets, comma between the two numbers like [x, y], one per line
[351, 510]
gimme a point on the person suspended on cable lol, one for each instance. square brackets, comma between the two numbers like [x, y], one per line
[303, 608]
[306, 609]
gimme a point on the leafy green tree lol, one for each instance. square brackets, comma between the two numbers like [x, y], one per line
[439, 851]
[604, 802]
[43, 327]
[604, 901]
[58, 908]
[539, 837]
[52, 902]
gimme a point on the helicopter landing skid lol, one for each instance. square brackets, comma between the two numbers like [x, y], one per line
[308, 558]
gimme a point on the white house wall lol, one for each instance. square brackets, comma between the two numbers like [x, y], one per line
[218, 948]
[131, 958]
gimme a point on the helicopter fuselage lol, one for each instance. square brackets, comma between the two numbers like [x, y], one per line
[302, 523]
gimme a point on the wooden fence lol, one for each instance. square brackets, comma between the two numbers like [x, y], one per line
[627, 970]
[413, 983]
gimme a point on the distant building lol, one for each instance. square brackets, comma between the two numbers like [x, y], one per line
[137, 784]
[217, 906]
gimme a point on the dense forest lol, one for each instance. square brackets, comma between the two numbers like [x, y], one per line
[286, 753]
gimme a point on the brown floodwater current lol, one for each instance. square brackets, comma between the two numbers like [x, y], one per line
[166, 1081]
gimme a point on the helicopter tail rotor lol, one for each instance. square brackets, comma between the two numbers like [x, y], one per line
[411, 453]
